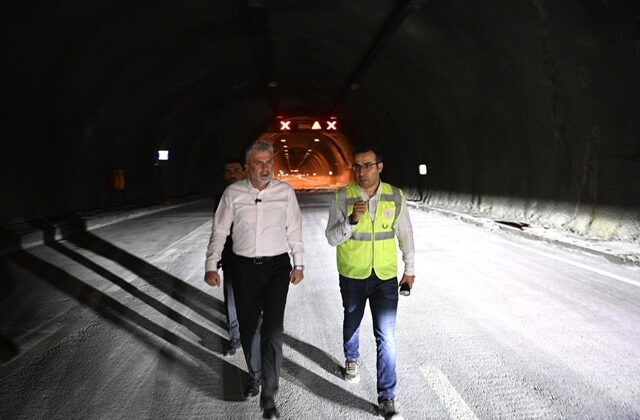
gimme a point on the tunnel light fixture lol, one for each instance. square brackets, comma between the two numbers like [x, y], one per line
[285, 146]
[283, 140]
[163, 155]
[316, 140]
[308, 150]
[314, 174]
[422, 169]
[330, 172]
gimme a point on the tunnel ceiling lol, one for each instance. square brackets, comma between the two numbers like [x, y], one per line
[499, 98]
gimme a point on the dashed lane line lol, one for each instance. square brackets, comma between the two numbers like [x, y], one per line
[452, 401]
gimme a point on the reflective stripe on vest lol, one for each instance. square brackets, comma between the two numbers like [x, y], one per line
[372, 245]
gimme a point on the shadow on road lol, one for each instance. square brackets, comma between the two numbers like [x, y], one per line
[210, 381]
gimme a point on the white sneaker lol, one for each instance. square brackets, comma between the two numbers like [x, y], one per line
[351, 372]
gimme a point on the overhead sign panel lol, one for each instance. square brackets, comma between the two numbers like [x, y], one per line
[297, 124]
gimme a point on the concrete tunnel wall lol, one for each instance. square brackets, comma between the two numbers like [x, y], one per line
[522, 110]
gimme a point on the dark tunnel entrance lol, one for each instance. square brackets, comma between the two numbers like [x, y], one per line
[310, 158]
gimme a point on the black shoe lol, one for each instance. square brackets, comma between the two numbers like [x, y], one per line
[232, 348]
[252, 390]
[271, 413]
[387, 409]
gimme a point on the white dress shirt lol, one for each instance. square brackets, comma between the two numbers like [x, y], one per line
[265, 222]
[339, 229]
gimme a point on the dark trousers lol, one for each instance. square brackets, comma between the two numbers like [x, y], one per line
[230, 306]
[233, 326]
[262, 288]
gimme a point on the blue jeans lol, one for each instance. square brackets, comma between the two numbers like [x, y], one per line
[383, 301]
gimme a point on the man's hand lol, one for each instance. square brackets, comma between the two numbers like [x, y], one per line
[296, 276]
[359, 208]
[408, 279]
[212, 278]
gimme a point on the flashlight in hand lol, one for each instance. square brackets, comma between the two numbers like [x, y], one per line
[405, 289]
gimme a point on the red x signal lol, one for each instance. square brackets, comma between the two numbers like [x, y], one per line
[331, 125]
[285, 125]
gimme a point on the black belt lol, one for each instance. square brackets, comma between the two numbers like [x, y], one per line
[260, 260]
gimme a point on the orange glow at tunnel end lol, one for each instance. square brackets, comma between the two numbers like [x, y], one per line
[312, 155]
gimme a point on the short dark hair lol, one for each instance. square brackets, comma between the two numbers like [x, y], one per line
[233, 159]
[364, 148]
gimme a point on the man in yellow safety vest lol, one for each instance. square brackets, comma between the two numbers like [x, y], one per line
[364, 220]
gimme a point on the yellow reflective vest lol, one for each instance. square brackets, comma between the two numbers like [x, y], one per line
[372, 245]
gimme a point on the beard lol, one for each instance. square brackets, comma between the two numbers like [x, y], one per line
[263, 179]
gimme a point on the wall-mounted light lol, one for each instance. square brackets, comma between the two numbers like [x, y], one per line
[422, 169]
[163, 155]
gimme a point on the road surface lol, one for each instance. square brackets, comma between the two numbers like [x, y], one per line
[117, 323]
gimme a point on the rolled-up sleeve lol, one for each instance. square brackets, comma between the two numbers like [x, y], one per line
[220, 228]
[338, 228]
[404, 232]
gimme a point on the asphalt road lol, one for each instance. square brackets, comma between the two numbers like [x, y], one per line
[117, 323]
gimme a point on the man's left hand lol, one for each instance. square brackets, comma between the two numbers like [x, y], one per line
[296, 276]
[408, 279]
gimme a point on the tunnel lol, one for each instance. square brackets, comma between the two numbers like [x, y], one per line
[522, 111]
[308, 156]
[512, 129]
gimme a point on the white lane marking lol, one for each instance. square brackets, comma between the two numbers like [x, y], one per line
[452, 401]
[576, 264]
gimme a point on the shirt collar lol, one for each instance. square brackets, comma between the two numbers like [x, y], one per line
[250, 186]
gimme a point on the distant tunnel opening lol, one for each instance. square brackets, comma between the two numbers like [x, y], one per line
[311, 159]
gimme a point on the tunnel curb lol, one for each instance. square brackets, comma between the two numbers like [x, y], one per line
[551, 236]
[27, 235]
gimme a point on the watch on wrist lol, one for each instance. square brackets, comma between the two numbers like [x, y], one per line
[299, 267]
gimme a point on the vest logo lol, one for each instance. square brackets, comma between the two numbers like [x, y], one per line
[388, 214]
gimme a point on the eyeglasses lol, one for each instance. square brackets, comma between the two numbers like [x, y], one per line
[366, 166]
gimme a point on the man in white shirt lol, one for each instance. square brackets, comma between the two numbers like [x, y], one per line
[267, 225]
[364, 220]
